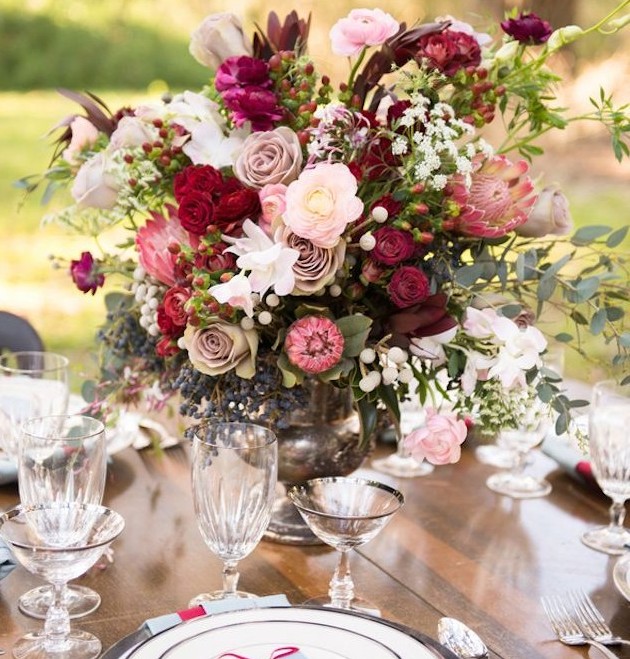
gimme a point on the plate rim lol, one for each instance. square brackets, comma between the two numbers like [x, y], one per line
[621, 575]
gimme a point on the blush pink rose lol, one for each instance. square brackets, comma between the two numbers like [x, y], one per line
[322, 202]
[439, 440]
[361, 28]
[95, 185]
[273, 205]
[84, 134]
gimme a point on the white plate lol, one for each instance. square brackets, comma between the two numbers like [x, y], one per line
[621, 575]
[257, 633]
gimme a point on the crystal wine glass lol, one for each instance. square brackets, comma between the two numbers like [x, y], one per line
[531, 432]
[31, 384]
[345, 513]
[59, 541]
[62, 459]
[609, 447]
[234, 476]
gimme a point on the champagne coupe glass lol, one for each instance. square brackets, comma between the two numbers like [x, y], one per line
[609, 447]
[345, 513]
[59, 541]
[62, 459]
[32, 383]
[234, 476]
[400, 463]
[531, 432]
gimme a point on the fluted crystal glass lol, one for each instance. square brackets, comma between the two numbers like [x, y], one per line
[234, 476]
[609, 448]
[345, 513]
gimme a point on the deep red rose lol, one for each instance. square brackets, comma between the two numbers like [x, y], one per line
[196, 212]
[450, 51]
[236, 206]
[388, 202]
[378, 161]
[254, 104]
[196, 178]
[85, 274]
[166, 324]
[166, 347]
[174, 305]
[528, 29]
[219, 259]
[393, 246]
[242, 71]
[408, 286]
[426, 319]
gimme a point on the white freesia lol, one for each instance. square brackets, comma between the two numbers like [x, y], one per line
[270, 263]
[479, 323]
[482, 38]
[209, 146]
[432, 347]
[237, 292]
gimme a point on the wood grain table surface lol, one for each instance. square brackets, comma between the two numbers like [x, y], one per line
[455, 549]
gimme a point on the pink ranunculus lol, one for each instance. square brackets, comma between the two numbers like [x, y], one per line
[314, 344]
[439, 440]
[84, 134]
[498, 200]
[322, 202]
[273, 205]
[408, 286]
[550, 215]
[153, 241]
[361, 28]
[94, 185]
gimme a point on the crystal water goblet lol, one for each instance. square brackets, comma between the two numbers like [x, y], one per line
[61, 459]
[345, 513]
[234, 476]
[59, 542]
[32, 383]
[609, 448]
[515, 482]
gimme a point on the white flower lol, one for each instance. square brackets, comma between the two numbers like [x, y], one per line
[237, 292]
[209, 146]
[270, 263]
[132, 132]
[479, 323]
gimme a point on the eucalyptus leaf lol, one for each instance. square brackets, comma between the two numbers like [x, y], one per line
[598, 322]
[467, 275]
[563, 337]
[617, 237]
[511, 310]
[624, 339]
[588, 234]
[546, 288]
[586, 288]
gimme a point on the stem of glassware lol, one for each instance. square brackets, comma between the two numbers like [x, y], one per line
[57, 624]
[519, 463]
[341, 587]
[230, 578]
[617, 514]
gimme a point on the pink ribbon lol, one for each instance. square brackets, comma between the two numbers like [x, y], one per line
[278, 653]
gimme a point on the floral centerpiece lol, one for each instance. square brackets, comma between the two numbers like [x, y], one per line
[280, 228]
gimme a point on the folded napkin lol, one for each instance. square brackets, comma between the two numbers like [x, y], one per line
[570, 459]
[7, 561]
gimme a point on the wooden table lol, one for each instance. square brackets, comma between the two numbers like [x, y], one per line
[455, 549]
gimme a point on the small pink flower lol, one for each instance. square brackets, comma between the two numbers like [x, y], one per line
[273, 204]
[361, 28]
[439, 440]
[85, 274]
[314, 344]
[84, 134]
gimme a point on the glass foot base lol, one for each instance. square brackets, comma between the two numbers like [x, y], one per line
[357, 604]
[518, 487]
[79, 600]
[218, 595]
[608, 539]
[402, 467]
[78, 645]
[495, 456]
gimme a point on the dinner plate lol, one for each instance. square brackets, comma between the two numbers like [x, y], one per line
[621, 575]
[296, 632]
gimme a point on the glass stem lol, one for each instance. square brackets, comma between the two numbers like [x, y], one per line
[519, 464]
[617, 514]
[230, 578]
[57, 624]
[341, 587]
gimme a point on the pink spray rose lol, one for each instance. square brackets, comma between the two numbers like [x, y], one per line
[550, 215]
[273, 204]
[84, 134]
[314, 344]
[361, 28]
[439, 440]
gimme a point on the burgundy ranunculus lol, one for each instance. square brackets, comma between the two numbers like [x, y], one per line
[408, 286]
[242, 71]
[196, 178]
[85, 274]
[219, 259]
[174, 305]
[254, 104]
[426, 319]
[393, 246]
[390, 204]
[527, 29]
[450, 51]
[196, 212]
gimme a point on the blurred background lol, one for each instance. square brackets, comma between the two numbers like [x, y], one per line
[126, 50]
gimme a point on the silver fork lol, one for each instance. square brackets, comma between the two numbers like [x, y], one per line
[591, 620]
[566, 628]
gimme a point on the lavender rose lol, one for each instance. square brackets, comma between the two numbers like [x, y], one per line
[550, 215]
[269, 157]
[218, 37]
[222, 346]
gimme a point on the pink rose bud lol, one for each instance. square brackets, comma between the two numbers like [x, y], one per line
[550, 215]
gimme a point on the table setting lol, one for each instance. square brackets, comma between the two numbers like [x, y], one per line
[302, 269]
